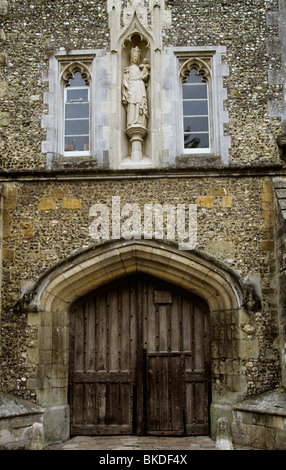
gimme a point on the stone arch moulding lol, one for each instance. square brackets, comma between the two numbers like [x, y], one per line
[57, 289]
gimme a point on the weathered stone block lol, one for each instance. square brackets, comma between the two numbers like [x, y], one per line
[33, 356]
[7, 218]
[10, 196]
[280, 440]
[4, 118]
[274, 422]
[47, 204]
[239, 433]
[4, 7]
[2, 35]
[3, 59]
[56, 422]
[218, 191]
[267, 196]
[27, 230]
[3, 89]
[221, 249]
[267, 245]
[205, 201]
[226, 201]
[58, 193]
[233, 382]
[8, 254]
[267, 186]
[242, 417]
[269, 214]
[258, 419]
[35, 98]
[71, 203]
[248, 349]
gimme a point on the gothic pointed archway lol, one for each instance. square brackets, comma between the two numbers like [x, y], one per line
[48, 305]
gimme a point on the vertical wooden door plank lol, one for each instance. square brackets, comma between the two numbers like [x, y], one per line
[125, 329]
[176, 376]
[101, 403]
[163, 327]
[175, 324]
[152, 392]
[79, 340]
[198, 340]
[113, 330]
[162, 364]
[151, 318]
[89, 406]
[139, 360]
[101, 336]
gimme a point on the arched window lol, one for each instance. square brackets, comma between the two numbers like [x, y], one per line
[196, 111]
[77, 116]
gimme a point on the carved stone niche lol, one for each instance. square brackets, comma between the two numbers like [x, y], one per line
[136, 23]
[136, 102]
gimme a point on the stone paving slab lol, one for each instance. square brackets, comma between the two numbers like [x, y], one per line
[121, 443]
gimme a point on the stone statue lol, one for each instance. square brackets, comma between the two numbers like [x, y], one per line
[134, 98]
[134, 89]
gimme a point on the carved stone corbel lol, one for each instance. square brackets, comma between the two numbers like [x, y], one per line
[252, 301]
[27, 303]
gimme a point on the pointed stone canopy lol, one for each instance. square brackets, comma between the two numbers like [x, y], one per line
[154, 18]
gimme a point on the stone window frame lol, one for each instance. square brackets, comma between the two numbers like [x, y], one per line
[61, 63]
[209, 60]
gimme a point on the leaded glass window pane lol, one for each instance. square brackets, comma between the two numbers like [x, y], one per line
[77, 115]
[196, 111]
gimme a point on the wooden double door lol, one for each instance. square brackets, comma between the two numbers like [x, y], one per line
[139, 360]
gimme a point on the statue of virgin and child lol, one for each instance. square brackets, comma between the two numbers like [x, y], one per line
[134, 93]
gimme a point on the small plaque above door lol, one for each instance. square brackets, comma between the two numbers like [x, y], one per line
[162, 297]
